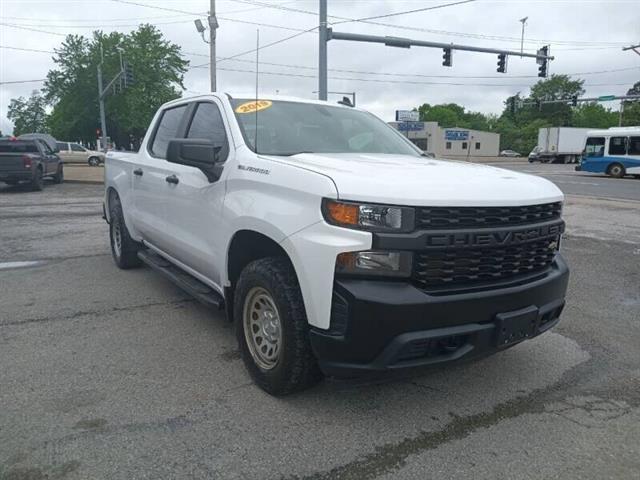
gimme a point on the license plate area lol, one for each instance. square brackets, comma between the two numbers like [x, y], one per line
[514, 327]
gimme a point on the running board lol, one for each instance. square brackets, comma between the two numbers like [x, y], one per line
[182, 279]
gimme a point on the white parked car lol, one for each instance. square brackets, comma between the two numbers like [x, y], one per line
[76, 153]
[332, 243]
[509, 153]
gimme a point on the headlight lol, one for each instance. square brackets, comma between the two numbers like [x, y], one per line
[387, 264]
[370, 217]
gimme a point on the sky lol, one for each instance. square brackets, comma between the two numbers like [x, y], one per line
[586, 38]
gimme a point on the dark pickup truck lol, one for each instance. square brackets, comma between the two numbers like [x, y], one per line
[29, 161]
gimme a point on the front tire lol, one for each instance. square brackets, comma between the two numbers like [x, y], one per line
[272, 329]
[94, 161]
[123, 248]
[59, 176]
[37, 183]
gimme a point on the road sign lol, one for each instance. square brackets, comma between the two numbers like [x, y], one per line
[604, 98]
[456, 135]
[407, 116]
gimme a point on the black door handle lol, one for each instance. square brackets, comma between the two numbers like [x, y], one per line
[172, 179]
[138, 171]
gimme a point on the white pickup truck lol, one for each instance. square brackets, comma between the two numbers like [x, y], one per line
[332, 243]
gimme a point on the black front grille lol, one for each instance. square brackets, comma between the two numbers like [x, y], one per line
[485, 217]
[461, 268]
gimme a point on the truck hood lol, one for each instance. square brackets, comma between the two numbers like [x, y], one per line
[422, 181]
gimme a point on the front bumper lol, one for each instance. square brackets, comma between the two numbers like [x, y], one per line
[578, 168]
[380, 326]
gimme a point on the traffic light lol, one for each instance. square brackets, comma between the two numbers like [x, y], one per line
[538, 103]
[574, 100]
[446, 57]
[512, 105]
[502, 63]
[542, 69]
[129, 79]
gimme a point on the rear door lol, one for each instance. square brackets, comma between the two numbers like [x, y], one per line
[78, 153]
[149, 177]
[194, 204]
[49, 159]
[64, 153]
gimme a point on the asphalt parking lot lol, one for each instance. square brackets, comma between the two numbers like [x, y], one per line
[110, 374]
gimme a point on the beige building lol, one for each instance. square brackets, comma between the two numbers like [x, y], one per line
[450, 142]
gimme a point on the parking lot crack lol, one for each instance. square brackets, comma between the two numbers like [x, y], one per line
[96, 312]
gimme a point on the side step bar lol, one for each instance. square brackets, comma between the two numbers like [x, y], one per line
[182, 279]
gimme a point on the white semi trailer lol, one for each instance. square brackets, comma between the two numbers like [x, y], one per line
[559, 145]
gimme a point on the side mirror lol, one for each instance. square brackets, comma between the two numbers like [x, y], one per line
[198, 153]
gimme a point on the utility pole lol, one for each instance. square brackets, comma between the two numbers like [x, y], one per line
[323, 38]
[213, 26]
[621, 112]
[103, 120]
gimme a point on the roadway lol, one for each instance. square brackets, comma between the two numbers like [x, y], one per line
[111, 374]
[579, 183]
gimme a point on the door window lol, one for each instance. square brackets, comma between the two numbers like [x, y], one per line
[76, 148]
[167, 130]
[634, 145]
[595, 147]
[62, 146]
[207, 123]
[45, 148]
[618, 146]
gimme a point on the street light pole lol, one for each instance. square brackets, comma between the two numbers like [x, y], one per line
[213, 26]
[322, 50]
[103, 120]
[524, 21]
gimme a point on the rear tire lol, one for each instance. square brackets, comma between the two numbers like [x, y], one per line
[271, 328]
[616, 170]
[37, 183]
[59, 176]
[123, 248]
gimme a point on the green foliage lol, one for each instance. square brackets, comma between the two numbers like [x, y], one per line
[72, 87]
[28, 114]
[452, 115]
[593, 115]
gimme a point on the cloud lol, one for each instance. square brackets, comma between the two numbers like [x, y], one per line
[582, 39]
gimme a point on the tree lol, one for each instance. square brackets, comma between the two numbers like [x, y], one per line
[28, 114]
[557, 87]
[72, 87]
[593, 115]
[631, 114]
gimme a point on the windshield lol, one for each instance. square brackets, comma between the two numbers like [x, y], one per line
[290, 128]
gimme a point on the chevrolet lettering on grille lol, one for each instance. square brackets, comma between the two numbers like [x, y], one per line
[494, 238]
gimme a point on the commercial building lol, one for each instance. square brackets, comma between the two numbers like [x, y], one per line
[457, 143]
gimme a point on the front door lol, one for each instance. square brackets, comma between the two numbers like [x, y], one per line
[194, 205]
[149, 177]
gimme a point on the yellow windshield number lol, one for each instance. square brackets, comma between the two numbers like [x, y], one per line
[253, 106]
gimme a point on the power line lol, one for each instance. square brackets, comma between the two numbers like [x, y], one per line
[427, 30]
[404, 82]
[33, 29]
[26, 49]
[13, 82]
[406, 12]
[306, 67]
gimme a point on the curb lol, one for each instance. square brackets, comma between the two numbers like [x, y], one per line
[89, 182]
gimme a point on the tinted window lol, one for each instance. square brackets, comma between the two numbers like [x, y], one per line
[618, 146]
[477, 145]
[634, 146]
[45, 147]
[18, 147]
[290, 128]
[167, 130]
[207, 123]
[62, 146]
[76, 148]
[594, 147]
[464, 145]
[448, 146]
